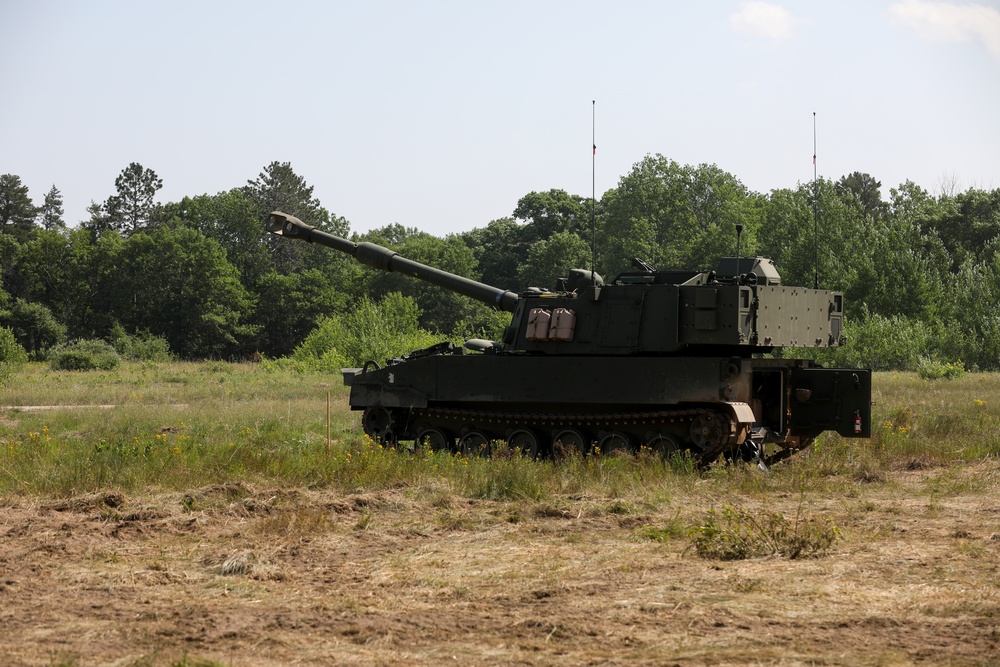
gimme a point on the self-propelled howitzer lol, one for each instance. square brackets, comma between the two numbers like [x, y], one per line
[657, 360]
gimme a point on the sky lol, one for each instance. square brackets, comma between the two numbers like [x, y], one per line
[441, 115]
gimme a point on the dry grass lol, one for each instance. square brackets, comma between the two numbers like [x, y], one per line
[281, 555]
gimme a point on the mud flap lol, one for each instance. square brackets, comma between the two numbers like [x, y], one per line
[831, 399]
[743, 416]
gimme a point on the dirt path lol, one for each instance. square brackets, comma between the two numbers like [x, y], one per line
[242, 576]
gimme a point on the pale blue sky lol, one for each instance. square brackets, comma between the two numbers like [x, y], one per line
[441, 115]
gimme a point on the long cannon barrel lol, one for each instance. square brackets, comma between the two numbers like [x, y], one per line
[377, 257]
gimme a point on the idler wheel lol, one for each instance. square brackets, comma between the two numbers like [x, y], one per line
[475, 443]
[524, 441]
[435, 439]
[377, 424]
[613, 443]
[569, 441]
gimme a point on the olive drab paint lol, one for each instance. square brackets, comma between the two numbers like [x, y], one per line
[664, 360]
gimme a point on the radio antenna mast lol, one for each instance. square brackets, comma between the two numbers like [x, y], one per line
[593, 191]
[815, 212]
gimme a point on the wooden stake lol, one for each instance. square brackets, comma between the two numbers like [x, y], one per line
[328, 422]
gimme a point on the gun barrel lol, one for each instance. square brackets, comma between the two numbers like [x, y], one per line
[378, 257]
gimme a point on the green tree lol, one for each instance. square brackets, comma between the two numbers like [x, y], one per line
[17, 212]
[441, 309]
[498, 249]
[99, 222]
[233, 221]
[914, 205]
[551, 259]
[970, 312]
[865, 191]
[546, 213]
[175, 283]
[33, 326]
[72, 273]
[279, 188]
[132, 207]
[290, 306]
[675, 216]
[503, 245]
[967, 223]
[719, 201]
[50, 214]
[812, 232]
[646, 216]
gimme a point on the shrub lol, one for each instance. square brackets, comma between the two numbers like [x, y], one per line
[12, 355]
[84, 355]
[481, 321]
[880, 343]
[383, 330]
[142, 346]
[34, 326]
[932, 369]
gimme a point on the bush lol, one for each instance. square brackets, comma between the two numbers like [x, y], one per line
[379, 331]
[34, 326]
[12, 355]
[481, 321]
[932, 369]
[879, 343]
[84, 355]
[140, 346]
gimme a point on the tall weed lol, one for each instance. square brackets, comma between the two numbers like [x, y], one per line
[737, 533]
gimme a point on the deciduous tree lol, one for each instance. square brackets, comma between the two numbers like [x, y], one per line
[175, 283]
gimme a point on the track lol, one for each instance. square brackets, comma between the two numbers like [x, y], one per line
[706, 433]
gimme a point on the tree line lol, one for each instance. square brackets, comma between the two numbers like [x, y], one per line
[920, 272]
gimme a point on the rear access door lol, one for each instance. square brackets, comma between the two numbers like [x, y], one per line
[831, 399]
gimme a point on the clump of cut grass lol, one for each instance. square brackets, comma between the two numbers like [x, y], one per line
[249, 564]
[737, 533]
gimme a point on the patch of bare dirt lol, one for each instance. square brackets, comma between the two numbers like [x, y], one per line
[246, 576]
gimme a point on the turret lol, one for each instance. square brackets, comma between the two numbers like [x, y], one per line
[377, 257]
[739, 309]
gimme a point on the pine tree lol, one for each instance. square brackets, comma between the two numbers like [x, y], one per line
[50, 215]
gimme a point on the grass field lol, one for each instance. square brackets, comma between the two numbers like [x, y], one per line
[193, 514]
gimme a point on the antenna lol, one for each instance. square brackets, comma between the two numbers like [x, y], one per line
[815, 212]
[739, 235]
[593, 191]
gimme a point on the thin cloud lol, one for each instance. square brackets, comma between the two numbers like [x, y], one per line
[947, 22]
[763, 19]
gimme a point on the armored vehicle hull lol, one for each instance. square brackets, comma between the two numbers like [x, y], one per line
[657, 360]
[540, 405]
